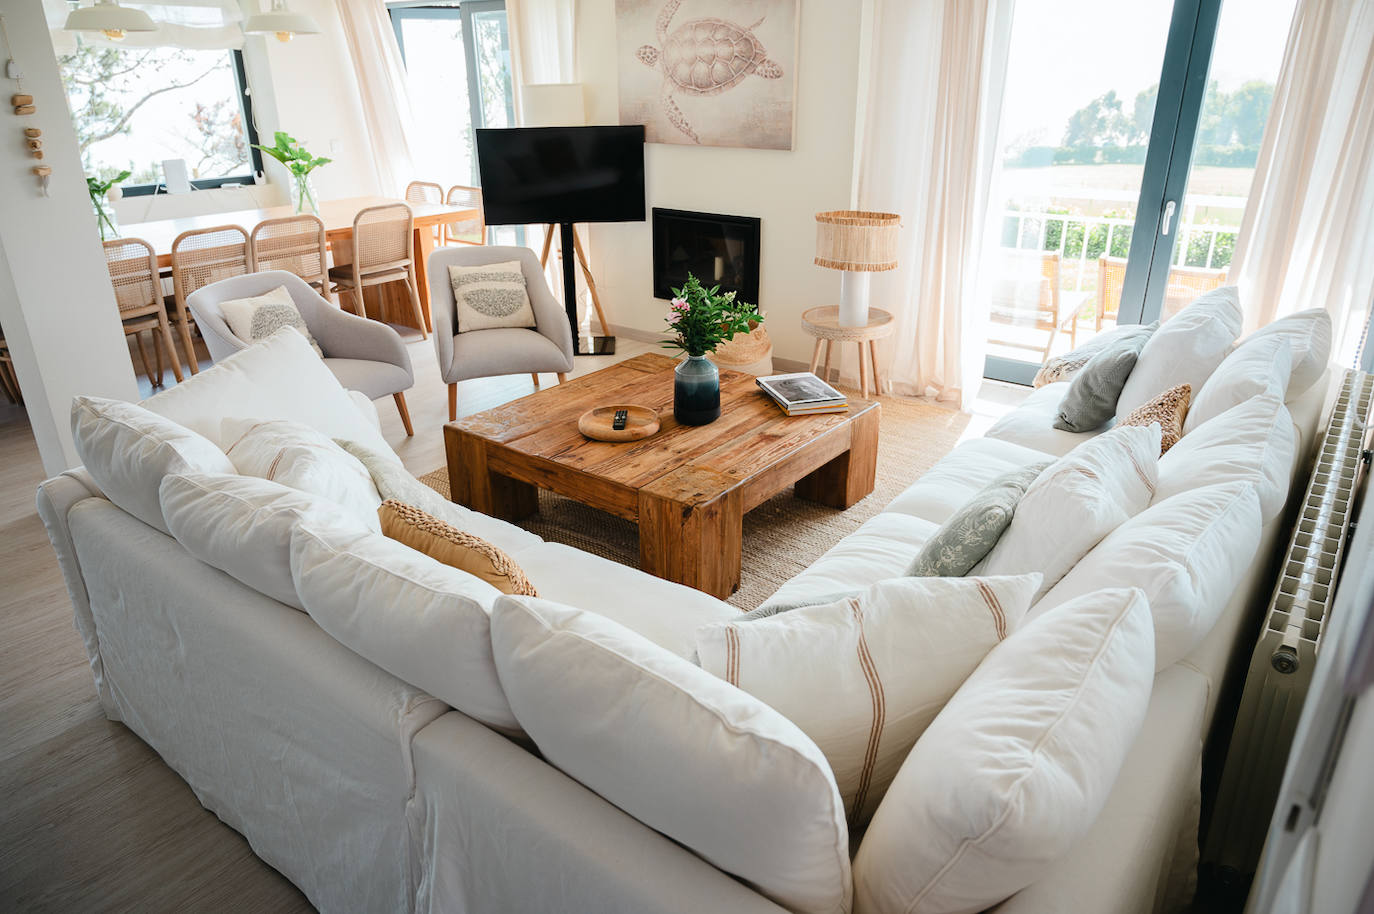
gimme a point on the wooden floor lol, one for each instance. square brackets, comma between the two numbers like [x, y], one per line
[90, 818]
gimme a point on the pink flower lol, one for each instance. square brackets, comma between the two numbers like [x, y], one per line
[679, 304]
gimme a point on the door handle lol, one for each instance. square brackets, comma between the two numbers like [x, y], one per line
[1168, 218]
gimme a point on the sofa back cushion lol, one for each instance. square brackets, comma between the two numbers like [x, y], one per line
[865, 675]
[1079, 499]
[242, 525]
[1253, 442]
[684, 752]
[1014, 770]
[1186, 349]
[279, 378]
[1188, 554]
[420, 620]
[128, 450]
[1309, 336]
[1258, 365]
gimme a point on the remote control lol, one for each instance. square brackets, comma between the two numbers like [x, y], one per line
[621, 417]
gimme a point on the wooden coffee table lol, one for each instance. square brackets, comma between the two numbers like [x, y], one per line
[687, 488]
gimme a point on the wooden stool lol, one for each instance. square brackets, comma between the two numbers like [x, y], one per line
[824, 324]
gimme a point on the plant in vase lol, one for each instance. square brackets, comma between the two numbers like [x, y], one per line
[699, 319]
[300, 163]
[102, 193]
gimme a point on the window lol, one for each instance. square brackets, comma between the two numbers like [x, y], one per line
[135, 107]
[457, 59]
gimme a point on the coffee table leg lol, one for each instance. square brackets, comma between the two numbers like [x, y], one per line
[472, 484]
[694, 544]
[850, 476]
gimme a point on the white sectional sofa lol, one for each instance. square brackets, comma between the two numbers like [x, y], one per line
[371, 794]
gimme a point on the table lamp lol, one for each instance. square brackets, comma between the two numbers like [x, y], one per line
[858, 244]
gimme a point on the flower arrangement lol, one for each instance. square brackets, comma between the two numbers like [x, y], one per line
[700, 319]
[288, 151]
[100, 193]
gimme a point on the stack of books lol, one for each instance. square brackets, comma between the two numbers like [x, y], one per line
[803, 394]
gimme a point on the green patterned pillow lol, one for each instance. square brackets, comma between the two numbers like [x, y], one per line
[972, 531]
[490, 296]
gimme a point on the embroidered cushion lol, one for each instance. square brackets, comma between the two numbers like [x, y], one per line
[969, 535]
[258, 317]
[491, 295]
[865, 676]
[1168, 409]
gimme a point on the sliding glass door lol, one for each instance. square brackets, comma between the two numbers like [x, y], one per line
[1104, 108]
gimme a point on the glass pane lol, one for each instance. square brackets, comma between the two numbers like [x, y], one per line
[134, 107]
[436, 75]
[1240, 89]
[492, 44]
[1081, 82]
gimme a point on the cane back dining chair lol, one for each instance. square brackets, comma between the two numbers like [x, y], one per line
[1027, 296]
[132, 265]
[200, 257]
[383, 252]
[427, 192]
[1184, 285]
[469, 231]
[295, 244]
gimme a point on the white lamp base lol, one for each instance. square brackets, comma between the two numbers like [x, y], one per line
[854, 298]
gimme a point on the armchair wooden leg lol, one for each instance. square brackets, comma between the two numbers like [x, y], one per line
[400, 399]
[452, 402]
[534, 376]
[562, 377]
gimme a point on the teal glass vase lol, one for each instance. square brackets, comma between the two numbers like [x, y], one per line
[696, 391]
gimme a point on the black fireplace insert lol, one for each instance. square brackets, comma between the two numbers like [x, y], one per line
[718, 250]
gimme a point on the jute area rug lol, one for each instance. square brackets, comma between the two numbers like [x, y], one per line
[784, 535]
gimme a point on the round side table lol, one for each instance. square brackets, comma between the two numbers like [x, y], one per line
[824, 324]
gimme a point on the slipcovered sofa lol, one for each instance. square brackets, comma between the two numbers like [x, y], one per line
[308, 732]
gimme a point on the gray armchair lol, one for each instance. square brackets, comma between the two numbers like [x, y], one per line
[364, 355]
[505, 350]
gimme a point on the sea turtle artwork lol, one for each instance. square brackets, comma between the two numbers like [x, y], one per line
[703, 57]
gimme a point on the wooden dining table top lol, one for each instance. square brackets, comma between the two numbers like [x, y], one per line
[337, 216]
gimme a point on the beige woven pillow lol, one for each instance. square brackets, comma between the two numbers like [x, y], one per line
[447, 544]
[1169, 409]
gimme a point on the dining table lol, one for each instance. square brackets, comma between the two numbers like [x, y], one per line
[380, 302]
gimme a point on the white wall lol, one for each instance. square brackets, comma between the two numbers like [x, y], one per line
[56, 304]
[784, 188]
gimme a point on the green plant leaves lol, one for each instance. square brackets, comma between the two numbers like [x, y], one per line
[287, 150]
[700, 319]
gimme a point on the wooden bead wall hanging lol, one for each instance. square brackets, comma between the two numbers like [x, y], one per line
[24, 106]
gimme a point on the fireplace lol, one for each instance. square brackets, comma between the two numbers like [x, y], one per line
[716, 249]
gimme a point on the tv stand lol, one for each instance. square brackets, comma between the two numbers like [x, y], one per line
[569, 243]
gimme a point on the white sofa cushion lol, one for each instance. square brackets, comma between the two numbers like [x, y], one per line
[1080, 499]
[1186, 349]
[687, 754]
[301, 458]
[1309, 336]
[961, 474]
[418, 619]
[1254, 367]
[865, 676]
[128, 450]
[1031, 424]
[1188, 554]
[242, 525]
[1015, 769]
[1254, 441]
[279, 378]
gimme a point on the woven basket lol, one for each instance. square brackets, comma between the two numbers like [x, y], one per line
[744, 349]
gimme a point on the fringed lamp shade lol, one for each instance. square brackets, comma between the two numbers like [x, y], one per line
[857, 241]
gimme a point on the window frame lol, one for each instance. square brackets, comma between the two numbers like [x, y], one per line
[254, 155]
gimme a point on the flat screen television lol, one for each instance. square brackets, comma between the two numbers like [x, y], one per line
[561, 174]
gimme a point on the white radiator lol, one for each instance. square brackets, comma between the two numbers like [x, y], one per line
[1281, 666]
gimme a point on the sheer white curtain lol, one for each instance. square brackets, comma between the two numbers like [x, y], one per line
[934, 104]
[382, 87]
[1307, 239]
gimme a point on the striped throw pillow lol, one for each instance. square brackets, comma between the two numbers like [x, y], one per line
[491, 295]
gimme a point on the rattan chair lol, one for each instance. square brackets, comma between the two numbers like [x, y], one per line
[1184, 285]
[469, 231]
[200, 257]
[295, 244]
[132, 265]
[9, 381]
[427, 192]
[383, 252]
[1027, 296]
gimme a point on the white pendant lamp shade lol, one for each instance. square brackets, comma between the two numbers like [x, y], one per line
[552, 105]
[281, 22]
[110, 19]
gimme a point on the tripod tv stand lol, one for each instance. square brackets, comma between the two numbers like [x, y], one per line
[570, 243]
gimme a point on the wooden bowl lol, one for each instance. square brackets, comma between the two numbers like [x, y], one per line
[596, 423]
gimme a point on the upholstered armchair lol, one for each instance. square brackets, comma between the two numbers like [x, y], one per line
[499, 351]
[365, 355]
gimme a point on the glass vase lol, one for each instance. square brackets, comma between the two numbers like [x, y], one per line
[105, 219]
[696, 391]
[303, 194]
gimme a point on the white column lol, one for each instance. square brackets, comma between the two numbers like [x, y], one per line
[57, 308]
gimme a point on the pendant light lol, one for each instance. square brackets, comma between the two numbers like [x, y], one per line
[281, 22]
[110, 19]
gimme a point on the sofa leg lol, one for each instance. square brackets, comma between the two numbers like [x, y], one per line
[400, 399]
[452, 402]
[562, 377]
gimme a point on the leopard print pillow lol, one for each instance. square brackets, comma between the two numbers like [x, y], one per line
[1168, 409]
